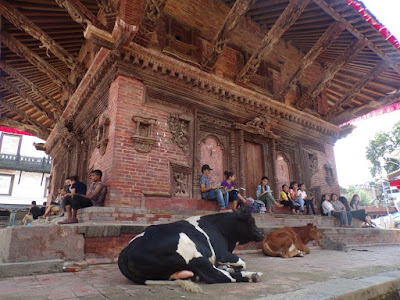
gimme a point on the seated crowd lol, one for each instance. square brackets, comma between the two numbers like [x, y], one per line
[71, 198]
[293, 196]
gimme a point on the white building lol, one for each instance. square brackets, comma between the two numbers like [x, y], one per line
[24, 171]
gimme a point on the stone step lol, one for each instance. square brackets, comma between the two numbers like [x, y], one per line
[31, 268]
[154, 216]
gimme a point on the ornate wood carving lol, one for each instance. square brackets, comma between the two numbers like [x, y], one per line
[37, 61]
[180, 132]
[24, 24]
[351, 94]
[259, 126]
[79, 13]
[143, 137]
[180, 180]
[231, 21]
[29, 84]
[123, 33]
[156, 67]
[330, 178]
[103, 132]
[338, 17]
[152, 13]
[284, 22]
[6, 84]
[334, 30]
[14, 109]
[109, 10]
[324, 81]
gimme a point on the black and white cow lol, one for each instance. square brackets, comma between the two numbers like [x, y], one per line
[199, 248]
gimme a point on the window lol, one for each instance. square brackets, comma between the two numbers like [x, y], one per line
[10, 144]
[6, 184]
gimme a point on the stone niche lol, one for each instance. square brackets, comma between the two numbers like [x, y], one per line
[212, 154]
[143, 137]
[330, 178]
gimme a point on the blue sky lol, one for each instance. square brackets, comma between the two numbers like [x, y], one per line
[351, 164]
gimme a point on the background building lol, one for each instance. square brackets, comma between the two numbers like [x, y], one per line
[24, 171]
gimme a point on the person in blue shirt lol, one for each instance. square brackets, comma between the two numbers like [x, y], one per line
[212, 192]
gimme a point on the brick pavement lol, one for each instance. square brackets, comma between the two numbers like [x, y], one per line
[321, 275]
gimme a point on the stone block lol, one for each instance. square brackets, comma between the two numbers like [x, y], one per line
[41, 242]
[31, 268]
[100, 230]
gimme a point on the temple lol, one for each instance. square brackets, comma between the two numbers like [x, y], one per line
[150, 90]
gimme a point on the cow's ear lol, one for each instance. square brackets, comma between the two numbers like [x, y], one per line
[244, 212]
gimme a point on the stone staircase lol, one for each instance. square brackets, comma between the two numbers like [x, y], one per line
[102, 232]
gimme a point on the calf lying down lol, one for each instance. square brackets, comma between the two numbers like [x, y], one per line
[290, 241]
[199, 248]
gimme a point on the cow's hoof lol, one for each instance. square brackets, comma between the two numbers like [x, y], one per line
[301, 254]
[256, 276]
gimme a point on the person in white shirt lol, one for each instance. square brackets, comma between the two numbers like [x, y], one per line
[308, 200]
[328, 210]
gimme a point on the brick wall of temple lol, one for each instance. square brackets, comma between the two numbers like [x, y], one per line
[130, 172]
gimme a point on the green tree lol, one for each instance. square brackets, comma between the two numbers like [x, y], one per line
[382, 145]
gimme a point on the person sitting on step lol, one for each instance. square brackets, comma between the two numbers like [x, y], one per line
[328, 210]
[286, 199]
[233, 194]
[298, 201]
[339, 207]
[213, 192]
[263, 193]
[94, 197]
[357, 213]
[308, 200]
[33, 213]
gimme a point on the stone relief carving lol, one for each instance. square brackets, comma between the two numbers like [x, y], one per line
[180, 132]
[313, 159]
[102, 133]
[330, 178]
[143, 137]
[180, 180]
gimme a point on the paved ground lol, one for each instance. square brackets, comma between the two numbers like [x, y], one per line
[323, 274]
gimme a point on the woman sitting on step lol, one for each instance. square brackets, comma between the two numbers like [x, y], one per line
[286, 199]
[359, 214]
[229, 187]
[264, 194]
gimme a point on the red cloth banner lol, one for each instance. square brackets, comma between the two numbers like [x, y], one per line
[358, 6]
[12, 130]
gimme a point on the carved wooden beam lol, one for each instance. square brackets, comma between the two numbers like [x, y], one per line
[6, 84]
[291, 13]
[351, 94]
[152, 13]
[43, 66]
[336, 16]
[14, 109]
[109, 10]
[24, 24]
[324, 81]
[7, 122]
[79, 13]
[30, 85]
[349, 114]
[334, 30]
[231, 21]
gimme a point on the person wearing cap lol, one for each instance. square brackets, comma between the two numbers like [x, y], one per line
[209, 192]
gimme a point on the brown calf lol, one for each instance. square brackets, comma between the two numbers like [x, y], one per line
[290, 241]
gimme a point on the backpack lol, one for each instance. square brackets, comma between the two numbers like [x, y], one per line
[255, 206]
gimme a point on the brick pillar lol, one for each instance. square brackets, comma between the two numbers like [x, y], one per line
[131, 174]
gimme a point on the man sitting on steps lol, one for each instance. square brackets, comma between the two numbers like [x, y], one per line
[94, 197]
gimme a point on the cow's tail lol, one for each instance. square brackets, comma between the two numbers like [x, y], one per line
[187, 285]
